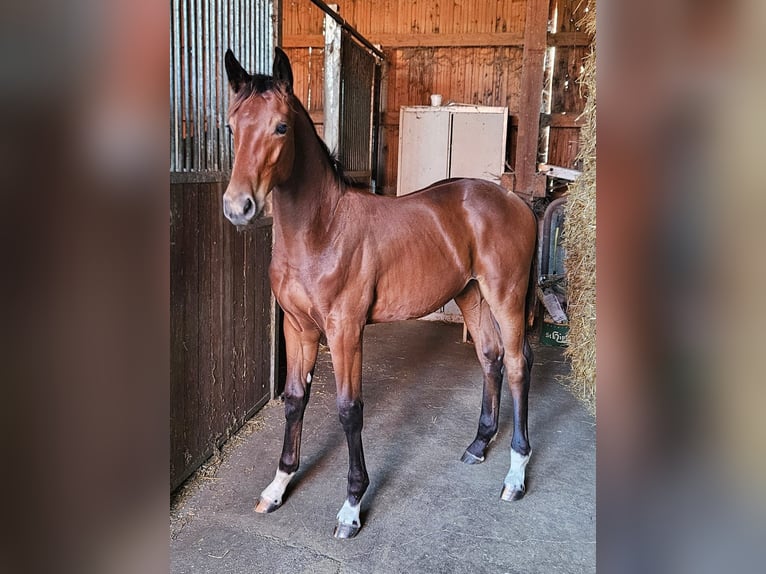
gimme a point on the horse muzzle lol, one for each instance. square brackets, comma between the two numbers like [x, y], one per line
[241, 210]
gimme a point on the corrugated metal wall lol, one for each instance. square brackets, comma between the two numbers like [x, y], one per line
[220, 297]
[200, 33]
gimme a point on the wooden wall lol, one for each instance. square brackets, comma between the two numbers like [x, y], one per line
[220, 325]
[567, 96]
[470, 51]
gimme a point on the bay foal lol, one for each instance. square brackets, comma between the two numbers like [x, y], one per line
[344, 258]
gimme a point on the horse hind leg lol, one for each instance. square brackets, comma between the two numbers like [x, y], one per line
[508, 307]
[346, 350]
[489, 349]
[518, 365]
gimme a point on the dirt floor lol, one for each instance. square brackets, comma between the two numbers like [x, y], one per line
[424, 511]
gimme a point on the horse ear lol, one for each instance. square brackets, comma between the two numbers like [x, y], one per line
[237, 75]
[282, 72]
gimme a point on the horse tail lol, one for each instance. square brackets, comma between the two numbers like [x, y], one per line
[531, 300]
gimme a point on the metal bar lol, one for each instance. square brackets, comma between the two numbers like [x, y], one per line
[174, 87]
[371, 120]
[187, 88]
[235, 29]
[226, 31]
[193, 86]
[332, 84]
[199, 88]
[248, 31]
[257, 39]
[348, 27]
[209, 160]
[220, 84]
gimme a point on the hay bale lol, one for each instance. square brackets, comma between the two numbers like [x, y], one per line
[580, 242]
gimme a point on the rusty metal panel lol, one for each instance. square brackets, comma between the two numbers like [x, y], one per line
[356, 113]
[200, 33]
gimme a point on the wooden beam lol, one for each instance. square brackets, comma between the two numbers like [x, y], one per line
[396, 41]
[317, 116]
[569, 39]
[561, 120]
[448, 40]
[303, 41]
[559, 172]
[535, 38]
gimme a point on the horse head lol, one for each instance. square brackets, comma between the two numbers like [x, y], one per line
[260, 118]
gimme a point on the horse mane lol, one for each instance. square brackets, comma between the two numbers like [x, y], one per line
[332, 157]
[260, 83]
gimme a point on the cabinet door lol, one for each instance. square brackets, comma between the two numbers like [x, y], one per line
[478, 145]
[423, 148]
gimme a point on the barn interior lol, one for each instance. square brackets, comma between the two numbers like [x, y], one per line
[471, 89]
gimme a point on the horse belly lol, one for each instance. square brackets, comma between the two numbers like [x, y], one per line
[415, 297]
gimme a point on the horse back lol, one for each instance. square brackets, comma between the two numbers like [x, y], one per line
[428, 245]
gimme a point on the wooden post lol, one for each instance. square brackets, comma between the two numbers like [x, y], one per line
[528, 181]
[332, 41]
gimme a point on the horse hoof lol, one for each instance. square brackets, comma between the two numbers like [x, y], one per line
[511, 494]
[469, 458]
[346, 530]
[266, 506]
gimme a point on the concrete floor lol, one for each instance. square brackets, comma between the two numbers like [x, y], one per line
[424, 511]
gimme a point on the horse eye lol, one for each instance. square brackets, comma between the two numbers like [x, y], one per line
[281, 128]
[228, 127]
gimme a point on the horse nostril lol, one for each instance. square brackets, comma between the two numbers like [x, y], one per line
[248, 207]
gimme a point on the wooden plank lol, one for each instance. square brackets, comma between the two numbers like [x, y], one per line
[238, 365]
[566, 93]
[564, 143]
[218, 272]
[262, 348]
[418, 40]
[177, 354]
[569, 39]
[227, 231]
[192, 447]
[559, 172]
[220, 325]
[527, 180]
[565, 120]
[208, 406]
[246, 391]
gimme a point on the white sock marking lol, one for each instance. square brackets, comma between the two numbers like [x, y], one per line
[515, 477]
[274, 491]
[349, 514]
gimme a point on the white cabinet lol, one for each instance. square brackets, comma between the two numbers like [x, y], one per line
[450, 141]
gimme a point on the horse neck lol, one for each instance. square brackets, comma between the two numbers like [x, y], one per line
[307, 200]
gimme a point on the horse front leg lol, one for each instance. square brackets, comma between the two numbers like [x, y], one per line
[346, 350]
[302, 347]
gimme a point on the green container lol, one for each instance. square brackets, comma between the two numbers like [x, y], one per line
[554, 335]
